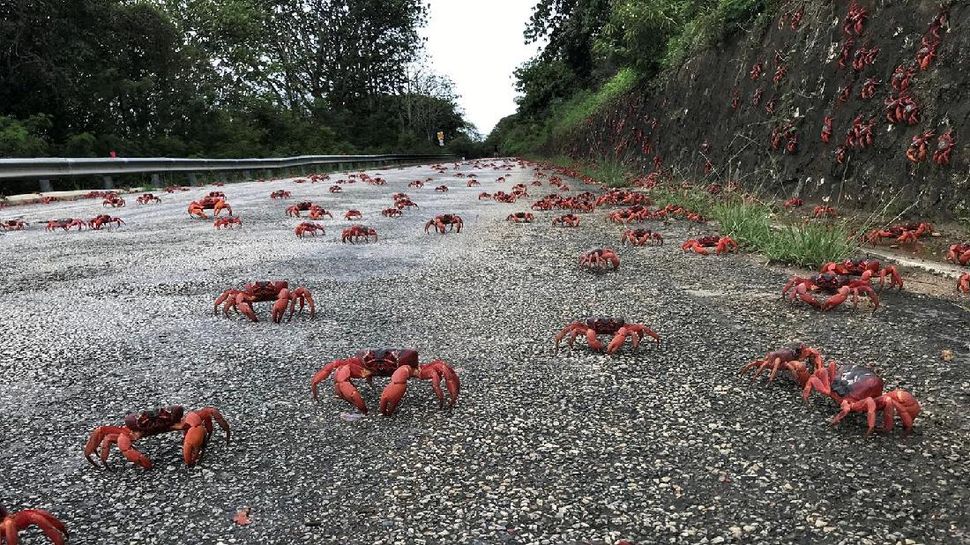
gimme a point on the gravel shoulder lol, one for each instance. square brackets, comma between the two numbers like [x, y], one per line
[661, 444]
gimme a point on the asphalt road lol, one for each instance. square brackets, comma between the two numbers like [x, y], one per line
[663, 445]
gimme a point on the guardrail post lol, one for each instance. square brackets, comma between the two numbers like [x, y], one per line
[269, 174]
[246, 175]
[45, 186]
[193, 180]
[156, 180]
[108, 182]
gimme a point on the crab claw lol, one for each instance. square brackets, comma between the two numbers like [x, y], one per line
[125, 445]
[10, 525]
[394, 392]
[346, 389]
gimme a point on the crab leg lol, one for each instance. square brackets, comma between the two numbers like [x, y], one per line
[52, 528]
[346, 389]
[243, 303]
[125, 445]
[868, 405]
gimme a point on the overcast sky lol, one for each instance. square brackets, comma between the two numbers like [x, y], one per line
[478, 44]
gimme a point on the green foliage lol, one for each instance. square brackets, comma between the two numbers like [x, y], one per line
[234, 78]
[585, 103]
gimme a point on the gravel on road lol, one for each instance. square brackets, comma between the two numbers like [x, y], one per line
[657, 445]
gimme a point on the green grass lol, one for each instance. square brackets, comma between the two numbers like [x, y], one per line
[586, 103]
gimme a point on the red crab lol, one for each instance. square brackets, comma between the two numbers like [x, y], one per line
[392, 212]
[113, 200]
[599, 259]
[901, 78]
[280, 194]
[869, 88]
[845, 92]
[12, 523]
[826, 129]
[858, 389]
[864, 57]
[277, 291]
[308, 228]
[355, 233]
[441, 189]
[317, 212]
[566, 220]
[959, 253]
[216, 204]
[294, 210]
[353, 215]
[476, 183]
[944, 147]
[418, 184]
[602, 325]
[336, 189]
[859, 135]
[963, 284]
[520, 217]
[794, 202]
[756, 71]
[919, 147]
[822, 211]
[148, 198]
[865, 268]
[839, 286]
[13, 225]
[196, 427]
[227, 223]
[792, 359]
[400, 364]
[721, 245]
[780, 73]
[405, 203]
[641, 237]
[903, 233]
[902, 109]
[927, 52]
[855, 19]
[445, 222]
[845, 53]
[484, 195]
[103, 220]
[66, 224]
[174, 188]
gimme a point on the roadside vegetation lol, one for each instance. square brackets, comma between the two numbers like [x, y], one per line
[599, 50]
[246, 78]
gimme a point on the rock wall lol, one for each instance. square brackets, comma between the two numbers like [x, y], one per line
[754, 109]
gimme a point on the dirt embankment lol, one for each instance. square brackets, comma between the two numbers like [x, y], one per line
[717, 107]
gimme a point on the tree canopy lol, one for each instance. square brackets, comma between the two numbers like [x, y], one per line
[217, 78]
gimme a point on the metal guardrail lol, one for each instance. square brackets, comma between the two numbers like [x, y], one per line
[45, 169]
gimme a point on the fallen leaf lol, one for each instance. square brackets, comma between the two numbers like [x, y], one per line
[351, 417]
[948, 355]
[242, 516]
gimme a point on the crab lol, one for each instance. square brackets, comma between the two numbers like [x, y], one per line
[196, 427]
[66, 224]
[566, 220]
[280, 194]
[520, 217]
[822, 211]
[336, 189]
[963, 283]
[405, 203]
[392, 212]
[756, 71]
[866, 269]
[262, 291]
[418, 184]
[919, 147]
[859, 135]
[12, 523]
[791, 358]
[445, 222]
[308, 228]
[353, 214]
[294, 210]
[641, 237]
[317, 212]
[355, 233]
[944, 147]
[603, 325]
[148, 198]
[903, 233]
[102, 220]
[113, 200]
[210, 202]
[599, 259]
[721, 245]
[441, 189]
[794, 202]
[839, 286]
[959, 253]
[869, 88]
[780, 73]
[858, 389]
[855, 19]
[13, 225]
[927, 52]
[902, 77]
[227, 223]
[864, 57]
[902, 109]
[484, 195]
[400, 364]
[474, 183]
[826, 129]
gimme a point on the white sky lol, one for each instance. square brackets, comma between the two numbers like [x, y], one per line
[478, 43]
